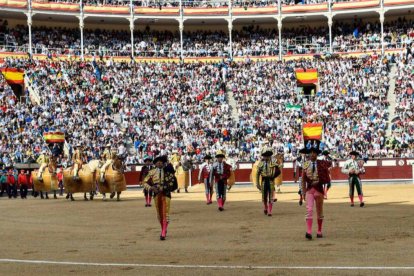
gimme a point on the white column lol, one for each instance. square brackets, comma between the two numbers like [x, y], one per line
[279, 26]
[131, 28]
[230, 25]
[231, 38]
[382, 18]
[81, 26]
[181, 28]
[29, 25]
[330, 32]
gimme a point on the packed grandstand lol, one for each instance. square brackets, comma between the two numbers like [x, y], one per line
[144, 97]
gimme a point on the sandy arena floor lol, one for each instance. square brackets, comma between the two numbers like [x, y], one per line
[113, 238]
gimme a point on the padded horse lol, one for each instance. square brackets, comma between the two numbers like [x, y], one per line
[114, 180]
[49, 180]
[86, 182]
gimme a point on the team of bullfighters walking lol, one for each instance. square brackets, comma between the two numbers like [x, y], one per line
[160, 177]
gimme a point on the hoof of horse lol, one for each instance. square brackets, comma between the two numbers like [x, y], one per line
[118, 199]
[55, 197]
[91, 197]
[162, 238]
[86, 199]
[112, 195]
[72, 199]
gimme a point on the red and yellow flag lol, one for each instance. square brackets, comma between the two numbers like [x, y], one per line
[312, 131]
[13, 75]
[306, 77]
[54, 137]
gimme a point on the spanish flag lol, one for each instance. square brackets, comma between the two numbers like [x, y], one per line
[312, 131]
[13, 75]
[306, 76]
[54, 137]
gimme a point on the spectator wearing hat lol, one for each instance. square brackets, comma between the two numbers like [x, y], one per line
[43, 161]
[315, 174]
[220, 172]
[354, 169]
[161, 180]
[204, 177]
[144, 172]
[297, 171]
[266, 172]
[23, 181]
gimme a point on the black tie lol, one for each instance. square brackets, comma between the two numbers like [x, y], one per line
[160, 178]
[313, 167]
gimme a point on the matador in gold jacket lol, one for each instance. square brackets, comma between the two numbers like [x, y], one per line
[161, 180]
[267, 171]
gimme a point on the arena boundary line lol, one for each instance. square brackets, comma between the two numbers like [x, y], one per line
[264, 267]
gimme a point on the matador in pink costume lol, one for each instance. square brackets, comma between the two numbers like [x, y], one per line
[314, 175]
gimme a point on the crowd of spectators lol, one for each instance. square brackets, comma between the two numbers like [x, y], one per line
[351, 100]
[166, 107]
[199, 3]
[401, 142]
[249, 40]
[20, 137]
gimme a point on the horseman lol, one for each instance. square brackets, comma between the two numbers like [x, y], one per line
[77, 159]
[109, 156]
[43, 161]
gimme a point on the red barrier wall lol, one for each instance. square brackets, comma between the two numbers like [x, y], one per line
[379, 172]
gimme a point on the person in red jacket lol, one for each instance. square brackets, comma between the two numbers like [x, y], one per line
[23, 180]
[60, 179]
[219, 173]
[11, 185]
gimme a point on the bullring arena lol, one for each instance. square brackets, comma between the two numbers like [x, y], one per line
[91, 90]
[109, 237]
